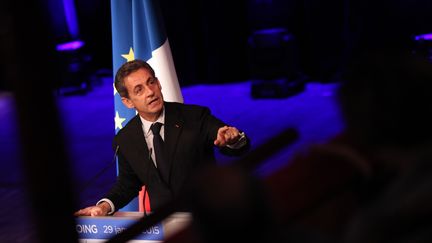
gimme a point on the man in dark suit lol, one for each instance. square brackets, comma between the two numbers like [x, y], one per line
[189, 134]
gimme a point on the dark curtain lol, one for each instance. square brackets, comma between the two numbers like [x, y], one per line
[208, 39]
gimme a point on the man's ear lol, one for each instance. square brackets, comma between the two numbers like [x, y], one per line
[127, 102]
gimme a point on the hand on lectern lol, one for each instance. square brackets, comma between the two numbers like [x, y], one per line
[101, 209]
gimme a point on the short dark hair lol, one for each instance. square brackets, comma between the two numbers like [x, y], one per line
[126, 69]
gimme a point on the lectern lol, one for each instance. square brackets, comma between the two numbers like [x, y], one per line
[101, 229]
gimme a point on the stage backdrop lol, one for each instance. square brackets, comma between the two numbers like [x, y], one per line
[138, 32]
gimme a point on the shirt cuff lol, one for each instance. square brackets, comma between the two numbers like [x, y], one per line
[109, 202]
[240, 143]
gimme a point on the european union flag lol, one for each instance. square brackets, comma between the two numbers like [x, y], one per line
[138, 32]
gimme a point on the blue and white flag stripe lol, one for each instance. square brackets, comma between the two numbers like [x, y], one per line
[163, 64]
[138, 32]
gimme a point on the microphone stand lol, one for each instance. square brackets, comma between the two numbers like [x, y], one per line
[86, 185]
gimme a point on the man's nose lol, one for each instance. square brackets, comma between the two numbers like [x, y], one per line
[149, 92]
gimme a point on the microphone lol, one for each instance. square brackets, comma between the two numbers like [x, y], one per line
[86, 185]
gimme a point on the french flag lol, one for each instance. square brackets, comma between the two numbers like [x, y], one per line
[138, 32]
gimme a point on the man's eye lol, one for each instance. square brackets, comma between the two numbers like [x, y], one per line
[152, 81]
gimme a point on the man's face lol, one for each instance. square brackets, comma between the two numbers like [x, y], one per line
[144, 94]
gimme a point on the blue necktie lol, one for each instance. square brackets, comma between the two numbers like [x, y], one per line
[158, 145]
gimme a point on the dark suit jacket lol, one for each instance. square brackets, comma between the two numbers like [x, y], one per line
[189, 134]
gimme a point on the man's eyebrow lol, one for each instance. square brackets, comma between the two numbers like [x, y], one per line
[150, 79]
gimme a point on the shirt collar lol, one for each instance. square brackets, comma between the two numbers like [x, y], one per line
[146, 124]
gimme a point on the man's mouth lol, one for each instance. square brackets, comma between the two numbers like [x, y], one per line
[152, 101]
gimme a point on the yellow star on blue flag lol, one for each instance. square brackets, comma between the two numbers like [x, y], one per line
[130, 56]
[118, 121]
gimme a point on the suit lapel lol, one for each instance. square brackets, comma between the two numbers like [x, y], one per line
[173, 129]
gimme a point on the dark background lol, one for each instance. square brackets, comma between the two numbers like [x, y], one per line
[210, 40]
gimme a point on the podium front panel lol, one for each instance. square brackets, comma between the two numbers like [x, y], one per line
[101, 229]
